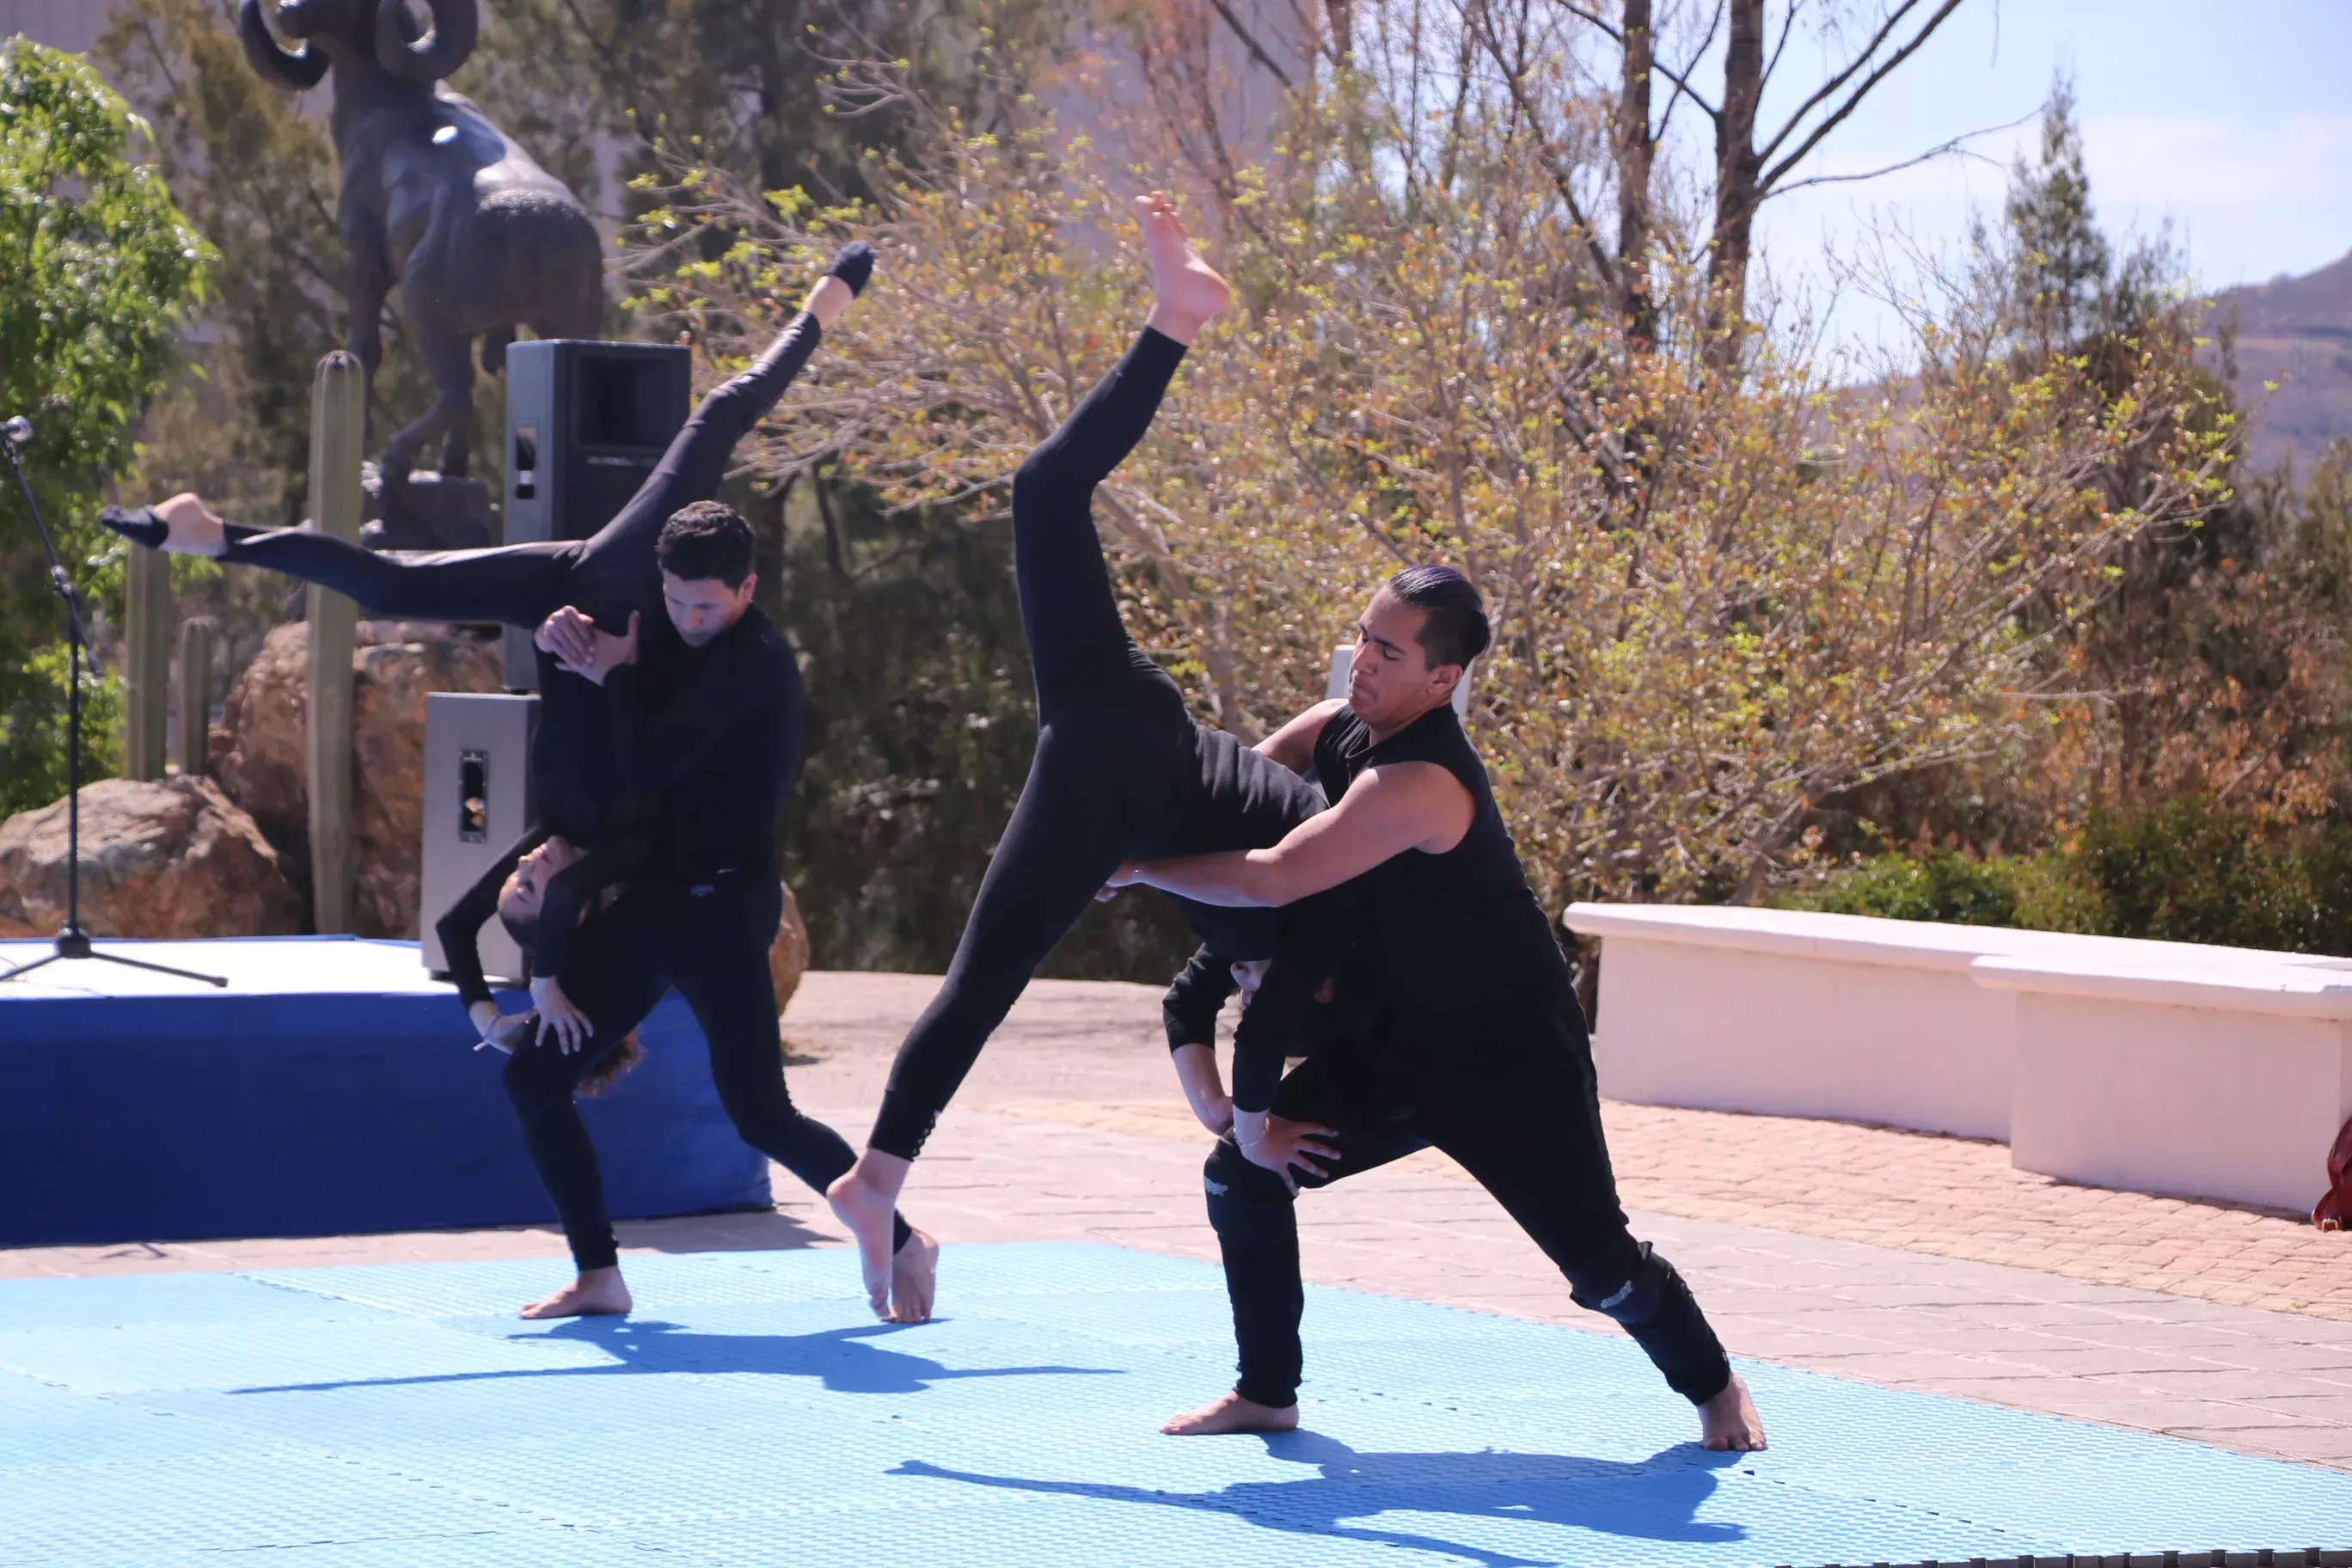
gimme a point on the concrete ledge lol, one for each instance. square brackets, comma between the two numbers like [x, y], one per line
[2163, 1067]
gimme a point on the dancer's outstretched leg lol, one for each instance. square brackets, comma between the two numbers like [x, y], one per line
[1112, 727]
[521, 585]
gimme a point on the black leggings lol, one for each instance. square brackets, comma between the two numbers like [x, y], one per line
[1113, 737]
[1517, 1108]
[713, 946]
[606, 575]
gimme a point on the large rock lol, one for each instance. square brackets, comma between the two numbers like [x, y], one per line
[260, 759]
[788, 958]
[174, 858]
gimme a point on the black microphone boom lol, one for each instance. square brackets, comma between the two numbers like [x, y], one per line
[73, 942]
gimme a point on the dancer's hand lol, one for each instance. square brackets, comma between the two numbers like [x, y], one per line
[1289, 1149]
[556, 1013]
[1130, 874]
[606, 652]
[569, 635]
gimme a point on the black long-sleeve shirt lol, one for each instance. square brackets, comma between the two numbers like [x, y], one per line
[701, 746]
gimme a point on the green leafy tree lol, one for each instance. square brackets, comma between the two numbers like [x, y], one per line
[97, 272]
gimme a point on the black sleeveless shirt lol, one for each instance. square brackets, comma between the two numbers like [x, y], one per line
[1451, 937]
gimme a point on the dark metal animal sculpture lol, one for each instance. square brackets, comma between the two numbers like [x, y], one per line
[436, 198]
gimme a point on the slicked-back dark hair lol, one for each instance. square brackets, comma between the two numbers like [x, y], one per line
[705, 539]
[1454, 628]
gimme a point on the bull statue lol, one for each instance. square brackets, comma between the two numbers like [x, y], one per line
[435, 199]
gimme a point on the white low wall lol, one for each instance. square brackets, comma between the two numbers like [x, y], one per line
[2225, 1083]
[2166, 1067]
[1795, 1014]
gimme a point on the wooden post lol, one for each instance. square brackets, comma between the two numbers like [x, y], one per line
[146, 661]
[191, 695]
[337, 421]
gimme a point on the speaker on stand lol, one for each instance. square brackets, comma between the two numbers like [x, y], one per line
[586, 423]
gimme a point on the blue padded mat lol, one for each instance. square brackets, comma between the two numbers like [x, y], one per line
[750, 1411]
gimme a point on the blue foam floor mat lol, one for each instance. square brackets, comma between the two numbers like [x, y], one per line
[750, 1411]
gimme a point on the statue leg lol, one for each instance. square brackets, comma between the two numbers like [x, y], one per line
[457, 441]
[448, 359]
[370, 275]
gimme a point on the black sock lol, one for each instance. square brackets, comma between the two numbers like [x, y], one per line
[140, 525]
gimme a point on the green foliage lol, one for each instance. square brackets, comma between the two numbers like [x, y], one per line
[98, 270]
[2187, 870]
[921, 723]
[1945, 885]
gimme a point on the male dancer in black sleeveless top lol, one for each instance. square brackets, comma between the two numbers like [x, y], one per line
[1480, 1049]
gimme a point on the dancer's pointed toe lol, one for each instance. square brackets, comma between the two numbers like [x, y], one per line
[137, 524]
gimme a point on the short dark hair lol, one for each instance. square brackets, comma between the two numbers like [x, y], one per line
[1455, 629]
[707, 539]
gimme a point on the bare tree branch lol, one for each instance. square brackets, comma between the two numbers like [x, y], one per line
[1257, 51]
[1829, 88]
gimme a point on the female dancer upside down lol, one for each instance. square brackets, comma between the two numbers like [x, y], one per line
[1119, 762]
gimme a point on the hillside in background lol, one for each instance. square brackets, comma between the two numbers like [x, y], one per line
[2295, 333]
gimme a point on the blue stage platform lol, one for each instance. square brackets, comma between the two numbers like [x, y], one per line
[752, 1413]
[331, 1088]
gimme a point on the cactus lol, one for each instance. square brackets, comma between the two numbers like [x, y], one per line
[338, 425]
[191, 695]
[147, 618]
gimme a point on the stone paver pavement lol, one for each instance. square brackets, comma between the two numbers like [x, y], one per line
[1915, 1261]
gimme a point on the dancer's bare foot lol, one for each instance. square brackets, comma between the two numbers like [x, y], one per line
[194, 531]
[1728, 1422]
[1185, 291]
[913, 1278]
[864, 1199]
[597, 1293]
[1231, 1413]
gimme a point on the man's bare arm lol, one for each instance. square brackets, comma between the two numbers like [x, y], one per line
[1387, 811]
[1293, 745]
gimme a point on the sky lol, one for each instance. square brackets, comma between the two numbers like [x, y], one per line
[2232, 120]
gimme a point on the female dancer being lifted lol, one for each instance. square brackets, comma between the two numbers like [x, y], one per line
[1119, 762]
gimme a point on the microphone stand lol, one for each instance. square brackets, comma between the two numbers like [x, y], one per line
[73, 943]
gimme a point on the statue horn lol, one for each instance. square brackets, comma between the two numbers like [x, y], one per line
[457, 24]
[299, 69]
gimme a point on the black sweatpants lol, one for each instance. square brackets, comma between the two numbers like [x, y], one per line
[1517, 1106]
[709, 937]
[1113, 736]
[606, 575]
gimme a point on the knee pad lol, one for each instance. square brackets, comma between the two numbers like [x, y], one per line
[1647, 1286]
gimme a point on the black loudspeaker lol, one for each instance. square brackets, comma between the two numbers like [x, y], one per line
[586, 422]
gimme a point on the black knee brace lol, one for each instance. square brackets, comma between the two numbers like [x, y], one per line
[1651, 1302]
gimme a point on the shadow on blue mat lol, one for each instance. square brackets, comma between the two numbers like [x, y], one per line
[840, 1358]
[1549, 1489]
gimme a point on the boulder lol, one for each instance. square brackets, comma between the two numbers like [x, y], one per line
[171, 858]
[788, 958]
[261, 763]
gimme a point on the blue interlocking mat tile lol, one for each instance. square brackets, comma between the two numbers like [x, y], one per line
[751, 1411]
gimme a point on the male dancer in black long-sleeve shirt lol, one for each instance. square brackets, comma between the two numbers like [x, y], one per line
[708, 706]
[1480, 1050]
[722, 753]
